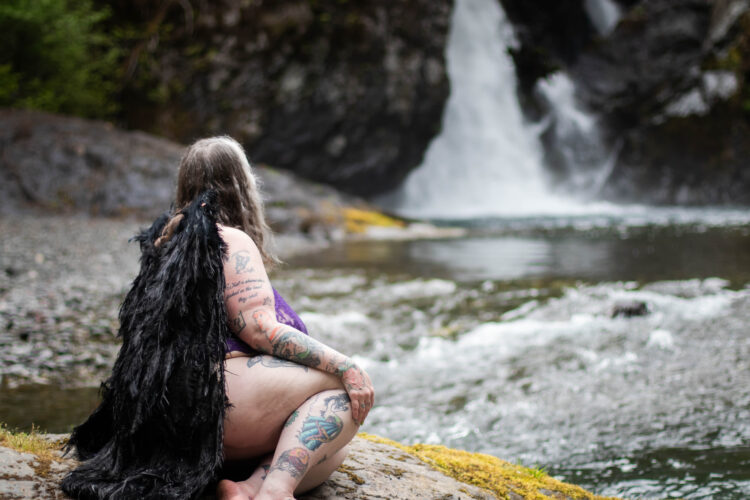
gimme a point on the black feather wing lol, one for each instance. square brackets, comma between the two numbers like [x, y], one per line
[158, 431]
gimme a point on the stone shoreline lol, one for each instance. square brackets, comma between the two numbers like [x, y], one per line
[62, 279]
[61, 283]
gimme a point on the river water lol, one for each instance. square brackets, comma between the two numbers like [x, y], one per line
[503, 341]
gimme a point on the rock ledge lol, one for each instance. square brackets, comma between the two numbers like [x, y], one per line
[376, 468]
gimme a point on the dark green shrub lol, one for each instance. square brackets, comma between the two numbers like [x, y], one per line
[56, 57]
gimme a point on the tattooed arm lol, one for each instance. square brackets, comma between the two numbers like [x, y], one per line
[250, 305]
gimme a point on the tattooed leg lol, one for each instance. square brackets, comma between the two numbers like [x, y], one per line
[319, 429]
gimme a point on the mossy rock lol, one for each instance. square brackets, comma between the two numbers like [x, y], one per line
[31, 465]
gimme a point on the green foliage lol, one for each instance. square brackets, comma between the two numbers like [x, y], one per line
[56, 57]
[537, 472]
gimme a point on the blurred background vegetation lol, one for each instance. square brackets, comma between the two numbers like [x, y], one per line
[57, 57]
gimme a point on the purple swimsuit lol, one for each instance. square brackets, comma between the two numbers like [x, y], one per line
[284, 314]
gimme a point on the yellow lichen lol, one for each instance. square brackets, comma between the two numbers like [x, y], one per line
[350, 473]
[488, 472]
[358, 220]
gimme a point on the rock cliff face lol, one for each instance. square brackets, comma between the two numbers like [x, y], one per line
[551, 35]
[670, 81]
[351, 93]
[669, 84]
[348, 93]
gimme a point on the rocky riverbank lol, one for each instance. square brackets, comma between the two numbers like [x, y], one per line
[32, 467]
[62, 279]
[74, 192]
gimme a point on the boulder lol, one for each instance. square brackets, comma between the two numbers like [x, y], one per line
[629, 308]
[55, 164]
[62, 164]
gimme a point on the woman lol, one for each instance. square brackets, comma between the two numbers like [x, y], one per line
[293, 402]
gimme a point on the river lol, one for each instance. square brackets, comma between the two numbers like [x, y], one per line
[503, 341]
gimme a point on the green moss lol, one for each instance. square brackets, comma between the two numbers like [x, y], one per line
[732, 61]
[32, 442]
[490, 473]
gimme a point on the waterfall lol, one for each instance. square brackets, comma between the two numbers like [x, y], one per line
[574, 138]
[487, 160]
[604, 15]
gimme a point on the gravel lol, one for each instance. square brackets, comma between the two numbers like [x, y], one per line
[61, 283]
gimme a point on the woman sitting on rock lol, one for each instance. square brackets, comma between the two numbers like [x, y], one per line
[214, 364]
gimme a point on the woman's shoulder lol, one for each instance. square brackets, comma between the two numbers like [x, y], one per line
[236, 239]
[231, 232]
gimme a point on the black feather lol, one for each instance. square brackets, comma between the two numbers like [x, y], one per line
[158, 431]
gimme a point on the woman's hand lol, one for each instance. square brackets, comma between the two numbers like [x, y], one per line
[361, 393]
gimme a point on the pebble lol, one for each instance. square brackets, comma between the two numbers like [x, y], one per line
[58, 285]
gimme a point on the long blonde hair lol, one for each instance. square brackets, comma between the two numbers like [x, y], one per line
[220, 163]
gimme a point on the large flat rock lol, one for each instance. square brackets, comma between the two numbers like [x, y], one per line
[374, 469]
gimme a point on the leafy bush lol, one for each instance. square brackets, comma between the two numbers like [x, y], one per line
[56, 57]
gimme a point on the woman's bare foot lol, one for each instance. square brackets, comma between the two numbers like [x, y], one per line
[229, 490]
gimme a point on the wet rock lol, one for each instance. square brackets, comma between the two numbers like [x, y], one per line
[668, 84]
[655, 51]
[629, 308]
[668, 80]
[551, 34]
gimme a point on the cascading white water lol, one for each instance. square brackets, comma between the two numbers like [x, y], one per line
[487, 161]
[576, 137]
[604, 15]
